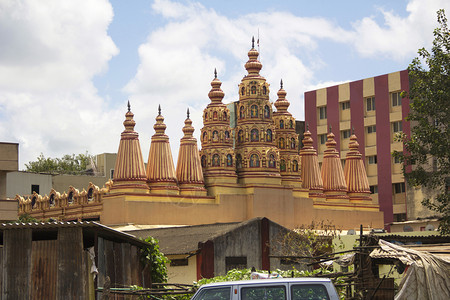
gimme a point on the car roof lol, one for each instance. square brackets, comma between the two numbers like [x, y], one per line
[268, 281]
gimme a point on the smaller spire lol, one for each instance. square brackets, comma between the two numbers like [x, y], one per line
[353, 130]
[188, 113]
[253, 42]
[129, 106]
[159, 109]
[281, 84]
[330, 129]
[215, 73]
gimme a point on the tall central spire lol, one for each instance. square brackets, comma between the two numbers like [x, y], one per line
[257, 157]
[253, 65]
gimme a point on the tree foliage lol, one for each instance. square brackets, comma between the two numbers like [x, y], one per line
[306, 241]
[428, 147]
[153, 257]
[68, 164]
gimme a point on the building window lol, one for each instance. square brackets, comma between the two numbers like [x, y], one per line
[35, 188]
[322, 112]
[264, 90]
[272, 161]
[253, 89]
[235, 262]
[371, 129]
[179, 262]
[111, 173]
[399, 217]
[372, 159]
[397, 126]
[370, 104]
[346, 134]
[374, 189]
[345, 105]
[396, 99]
[323, 139]
[399, 188]
[281, 124]
[397, 160]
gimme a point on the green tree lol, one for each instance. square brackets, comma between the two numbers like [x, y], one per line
[68, 164]
[427, 156]
[153, 257]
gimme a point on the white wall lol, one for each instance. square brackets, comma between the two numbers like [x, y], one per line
[20, 183]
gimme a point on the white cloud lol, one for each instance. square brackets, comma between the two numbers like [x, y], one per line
[177, 60]
[51, 50]
[398, 38]
[49, 53]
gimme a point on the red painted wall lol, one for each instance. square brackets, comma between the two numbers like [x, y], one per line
[357, 113]
[265, 251]
[311, 114]
[205, 260]
[333, 114]
[404, 83]
[382, 108]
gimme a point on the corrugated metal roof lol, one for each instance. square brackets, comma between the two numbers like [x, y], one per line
[90, 226]
[440, 250]
[185, 239]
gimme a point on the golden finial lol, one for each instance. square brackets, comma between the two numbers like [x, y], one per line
[159, 109]
[253, 42]
[215, 73]
[129, 106]
[188, 113]
[281, 84]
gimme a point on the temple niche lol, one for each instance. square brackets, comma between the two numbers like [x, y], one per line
[249, 165]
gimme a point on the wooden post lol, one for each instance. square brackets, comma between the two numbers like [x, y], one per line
[71, 282]
[16, 264]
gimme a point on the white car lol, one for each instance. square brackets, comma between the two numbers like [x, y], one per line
[269, 289]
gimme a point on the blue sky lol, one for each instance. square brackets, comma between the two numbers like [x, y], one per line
[67, 70]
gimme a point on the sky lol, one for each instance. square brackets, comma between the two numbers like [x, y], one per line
[67, 70]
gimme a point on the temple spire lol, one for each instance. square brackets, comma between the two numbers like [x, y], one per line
[129, 171]
[189, 169]
[161, 175]
[355, 173]
[311, 178]
[334, 185]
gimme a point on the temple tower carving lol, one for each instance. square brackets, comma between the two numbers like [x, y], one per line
[217, 154]
[287, 141]
[257, 157]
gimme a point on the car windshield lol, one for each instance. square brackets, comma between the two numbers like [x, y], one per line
[222, 293]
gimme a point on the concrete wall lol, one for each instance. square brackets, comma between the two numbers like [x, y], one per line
[182, 274]
[244, 241]
[9, 210]
[19, 183]
[61, 183]
[9, 157]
